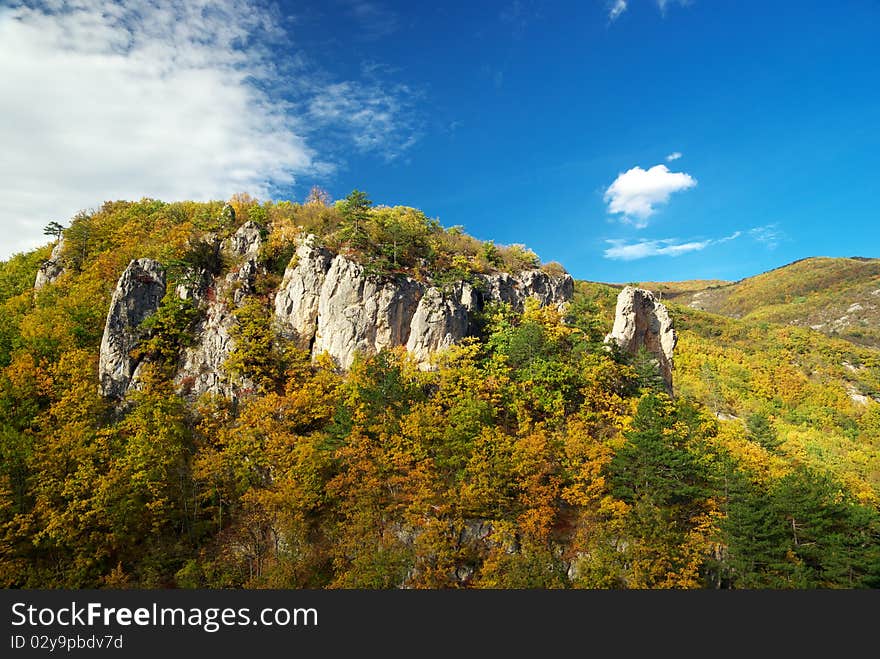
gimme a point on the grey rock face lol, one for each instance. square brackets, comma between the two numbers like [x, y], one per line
[138, 293]
[296, 303]
[515, 290]
[357, 312]
[201, 369]
[546, 288]
[51, 269]
[246, 241]
[440, 320]
[640, 320]
[194, 286]
[331, 304]
[201, 366]
[325, 304]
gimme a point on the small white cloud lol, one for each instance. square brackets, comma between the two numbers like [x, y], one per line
[617, 8]
[769, 235]
[675, 155]
[635, 194]
[622, 251]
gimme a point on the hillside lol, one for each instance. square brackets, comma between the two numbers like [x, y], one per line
[839, 297]
[819, 393]
[516, 449]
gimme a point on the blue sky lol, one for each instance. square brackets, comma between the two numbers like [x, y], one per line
[637, 140]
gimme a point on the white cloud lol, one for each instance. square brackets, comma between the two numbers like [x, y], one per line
[635, 194]
[181, 99]
[616, 9]
[622, 251]
[769, 234]
[675, 155]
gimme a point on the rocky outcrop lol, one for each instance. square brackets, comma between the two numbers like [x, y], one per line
[201, 369]
[361, 313]
[51, 269]
[330, 304]
[246, 241]
[201, 366]
[296, 303]
[440, 320]
[138, 293]
[325, 304]
[515, 290]
[641, 320]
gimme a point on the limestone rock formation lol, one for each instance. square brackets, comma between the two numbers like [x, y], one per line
[325, 303]
[296, 303]
[201, 369]
[332, 305]
[51, 269]
[357, 312]
[641, 320]
[246, 241]
[440, 320]
[201, 366]
[529, 283]
[138, 293]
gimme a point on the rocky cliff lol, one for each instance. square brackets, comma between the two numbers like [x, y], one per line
[201, 365]
[138, 293]
[641, 320]
[325, 303]
[331, 304]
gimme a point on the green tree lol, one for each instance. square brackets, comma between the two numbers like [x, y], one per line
[53, 229]
[833, 541]
[170, 330]
[647, 369]
[754, 536]
[355, 210]
[658, 473]
[760, 431]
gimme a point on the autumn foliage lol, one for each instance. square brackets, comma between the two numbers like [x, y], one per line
[532, 457]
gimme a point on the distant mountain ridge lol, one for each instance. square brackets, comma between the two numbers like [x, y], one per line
[839, 297]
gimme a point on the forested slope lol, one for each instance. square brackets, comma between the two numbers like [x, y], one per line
[533, 456]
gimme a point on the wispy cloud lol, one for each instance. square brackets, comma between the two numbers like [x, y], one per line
[636, 193]
[663, 4]
[374, 19]
[620, 250]
[675, 155]
[616, 9]
[519, 14]
[373, 118]
[183, 99]
[770, 235]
